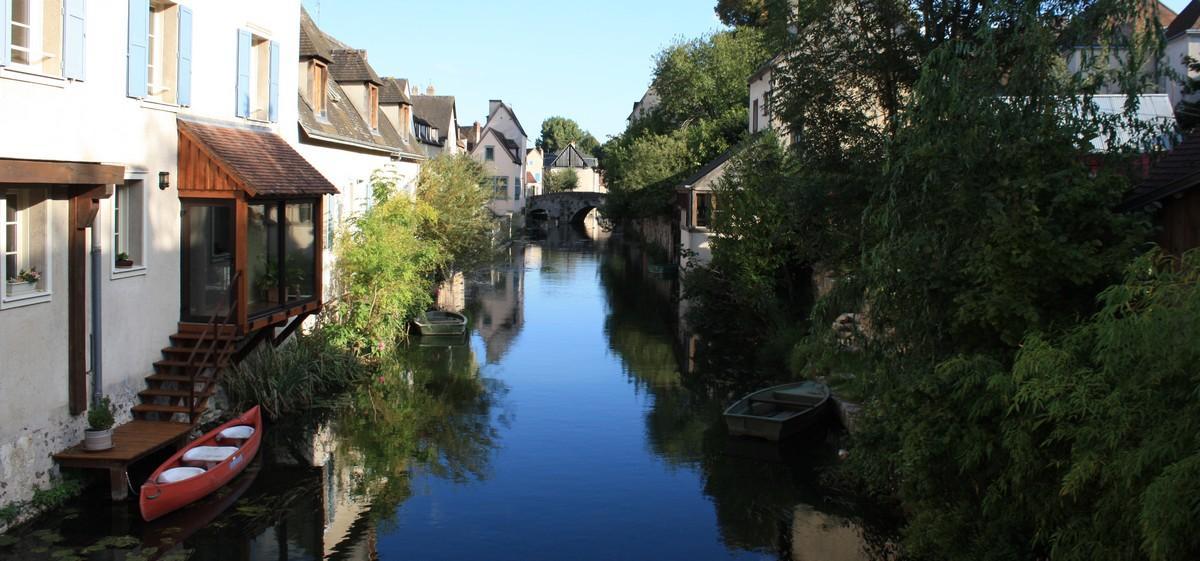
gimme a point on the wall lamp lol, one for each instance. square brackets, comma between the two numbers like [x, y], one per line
[164, 180]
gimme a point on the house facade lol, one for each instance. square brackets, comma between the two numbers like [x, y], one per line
[584, 165]
[353, 126]
[501, 150]
[145, 139]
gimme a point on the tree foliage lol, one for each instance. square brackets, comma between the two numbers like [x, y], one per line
[742, 12]
[458, 189]
[702, 111]
[562, 180]
[560, 132]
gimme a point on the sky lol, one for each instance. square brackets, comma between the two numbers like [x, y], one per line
[588, 61]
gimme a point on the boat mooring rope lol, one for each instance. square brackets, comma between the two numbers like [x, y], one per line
[130, 484]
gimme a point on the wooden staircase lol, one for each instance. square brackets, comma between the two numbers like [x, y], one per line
[187, 376]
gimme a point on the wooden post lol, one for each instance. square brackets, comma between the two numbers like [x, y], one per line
[116, 484]
[77, 307]
[241, 254]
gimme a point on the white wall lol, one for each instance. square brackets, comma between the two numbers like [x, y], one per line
[93, 121]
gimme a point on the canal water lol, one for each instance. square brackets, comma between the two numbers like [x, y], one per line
[569, 424]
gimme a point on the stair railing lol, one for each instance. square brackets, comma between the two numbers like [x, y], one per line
[218, 321]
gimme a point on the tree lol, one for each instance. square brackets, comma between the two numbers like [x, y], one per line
[562, 180]
[457, 189]
[559, 132]
[742, 12]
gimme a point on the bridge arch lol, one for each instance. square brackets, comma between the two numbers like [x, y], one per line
[566, 207]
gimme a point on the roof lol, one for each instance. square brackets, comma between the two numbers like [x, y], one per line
[1176, 171]
[509, 144]
[261, 159]
[512, 114]
[394, 90]
[767, 65]
[1153, 109]
[575, 158]
[714, 164]
[350, 65]
[1187, 19]
[438, 110]
[529, 178]
[312, 40]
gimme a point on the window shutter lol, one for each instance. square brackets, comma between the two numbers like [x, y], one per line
[273, 100]
[243, 74]
[139, 39]
[185, 56]
[73, 42]
[5, 17]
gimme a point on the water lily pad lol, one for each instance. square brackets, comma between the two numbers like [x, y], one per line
[65, 555]
[119, 542]
[170, 530]
[48, 536]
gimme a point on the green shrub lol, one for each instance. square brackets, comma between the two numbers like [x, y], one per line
[100, 416]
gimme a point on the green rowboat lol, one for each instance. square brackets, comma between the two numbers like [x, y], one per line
[780, 411]
[437, 322]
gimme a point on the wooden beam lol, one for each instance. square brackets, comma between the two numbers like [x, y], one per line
[241, 255]
[59, 173]
[76, 311]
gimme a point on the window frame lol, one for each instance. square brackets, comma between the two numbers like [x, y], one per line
[47, 269]
[318, 88]
[373, 107]
[260, 77]
[35, 54]
[120, 228]
[497, 181]
[712, 205]
[489, 153]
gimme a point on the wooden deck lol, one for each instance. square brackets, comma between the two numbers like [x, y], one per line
[132, 441]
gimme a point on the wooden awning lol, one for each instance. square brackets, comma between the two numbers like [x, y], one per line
[49, 172]
[258, 162]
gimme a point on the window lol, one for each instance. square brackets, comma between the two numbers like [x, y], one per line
[159, 54]
[489, 153]
[373, 106]
[128, 228]
[25, 239]
[754, 117]
[499, 188]
[318, 88]
[260, 62]
[704, 208]
[162, 53]
[516, 188]
[35, 35]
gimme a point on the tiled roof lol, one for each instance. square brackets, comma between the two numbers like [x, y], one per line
[1174, 172]
[343, 122]
[312, 41]
[394, 90]
[350, 65]
[262, 159]
[438, 110]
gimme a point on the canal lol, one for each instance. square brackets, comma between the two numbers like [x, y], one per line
[568, 425]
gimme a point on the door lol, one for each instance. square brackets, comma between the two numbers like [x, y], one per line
[207, 245]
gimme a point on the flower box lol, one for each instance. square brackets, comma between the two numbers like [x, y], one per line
[20, 288]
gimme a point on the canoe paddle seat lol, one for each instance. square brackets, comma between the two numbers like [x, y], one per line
[175, 475]
[209, 456]
[236, 435]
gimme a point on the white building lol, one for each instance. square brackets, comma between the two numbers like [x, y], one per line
[501, 149]
[353, 125]
[136, 128]
[584, 165]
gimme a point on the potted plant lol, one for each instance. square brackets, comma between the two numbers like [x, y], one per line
[24, 283]
[267, 282]
[123, 260]
[98, 435]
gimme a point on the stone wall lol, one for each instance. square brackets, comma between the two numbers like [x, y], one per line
[25, 453]
[657, 232]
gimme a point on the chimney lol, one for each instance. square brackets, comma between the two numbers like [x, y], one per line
[476, 133]
[429, 90]
[493, 105]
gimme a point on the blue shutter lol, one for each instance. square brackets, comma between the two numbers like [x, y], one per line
[273, 99]
[74, 32]
[139, 39]
[5, 17]
[243, 74]
[185, 56]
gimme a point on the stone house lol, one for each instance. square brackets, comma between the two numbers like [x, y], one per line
[584, 165]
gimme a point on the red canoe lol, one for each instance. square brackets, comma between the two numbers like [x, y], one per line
[202, 466]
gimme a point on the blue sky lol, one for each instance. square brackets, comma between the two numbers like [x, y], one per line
[585, 60]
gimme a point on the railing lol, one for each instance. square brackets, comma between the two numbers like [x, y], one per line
[218, 321]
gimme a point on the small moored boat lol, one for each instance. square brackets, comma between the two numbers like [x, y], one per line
[778, 412]
[437, 322]
[202, 466]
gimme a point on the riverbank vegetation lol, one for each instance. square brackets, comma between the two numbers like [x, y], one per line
[389, 262]
[944, 191]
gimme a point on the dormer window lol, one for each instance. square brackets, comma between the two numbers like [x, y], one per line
[318, 88]
[373, 106]
[406, 119]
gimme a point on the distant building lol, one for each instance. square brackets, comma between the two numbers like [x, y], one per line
[438, 118]
[500, 147]
[584, 165]
[643, 106]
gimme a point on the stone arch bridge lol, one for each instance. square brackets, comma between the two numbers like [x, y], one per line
[564, 207]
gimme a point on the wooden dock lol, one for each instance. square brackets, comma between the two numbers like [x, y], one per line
[132, 441]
